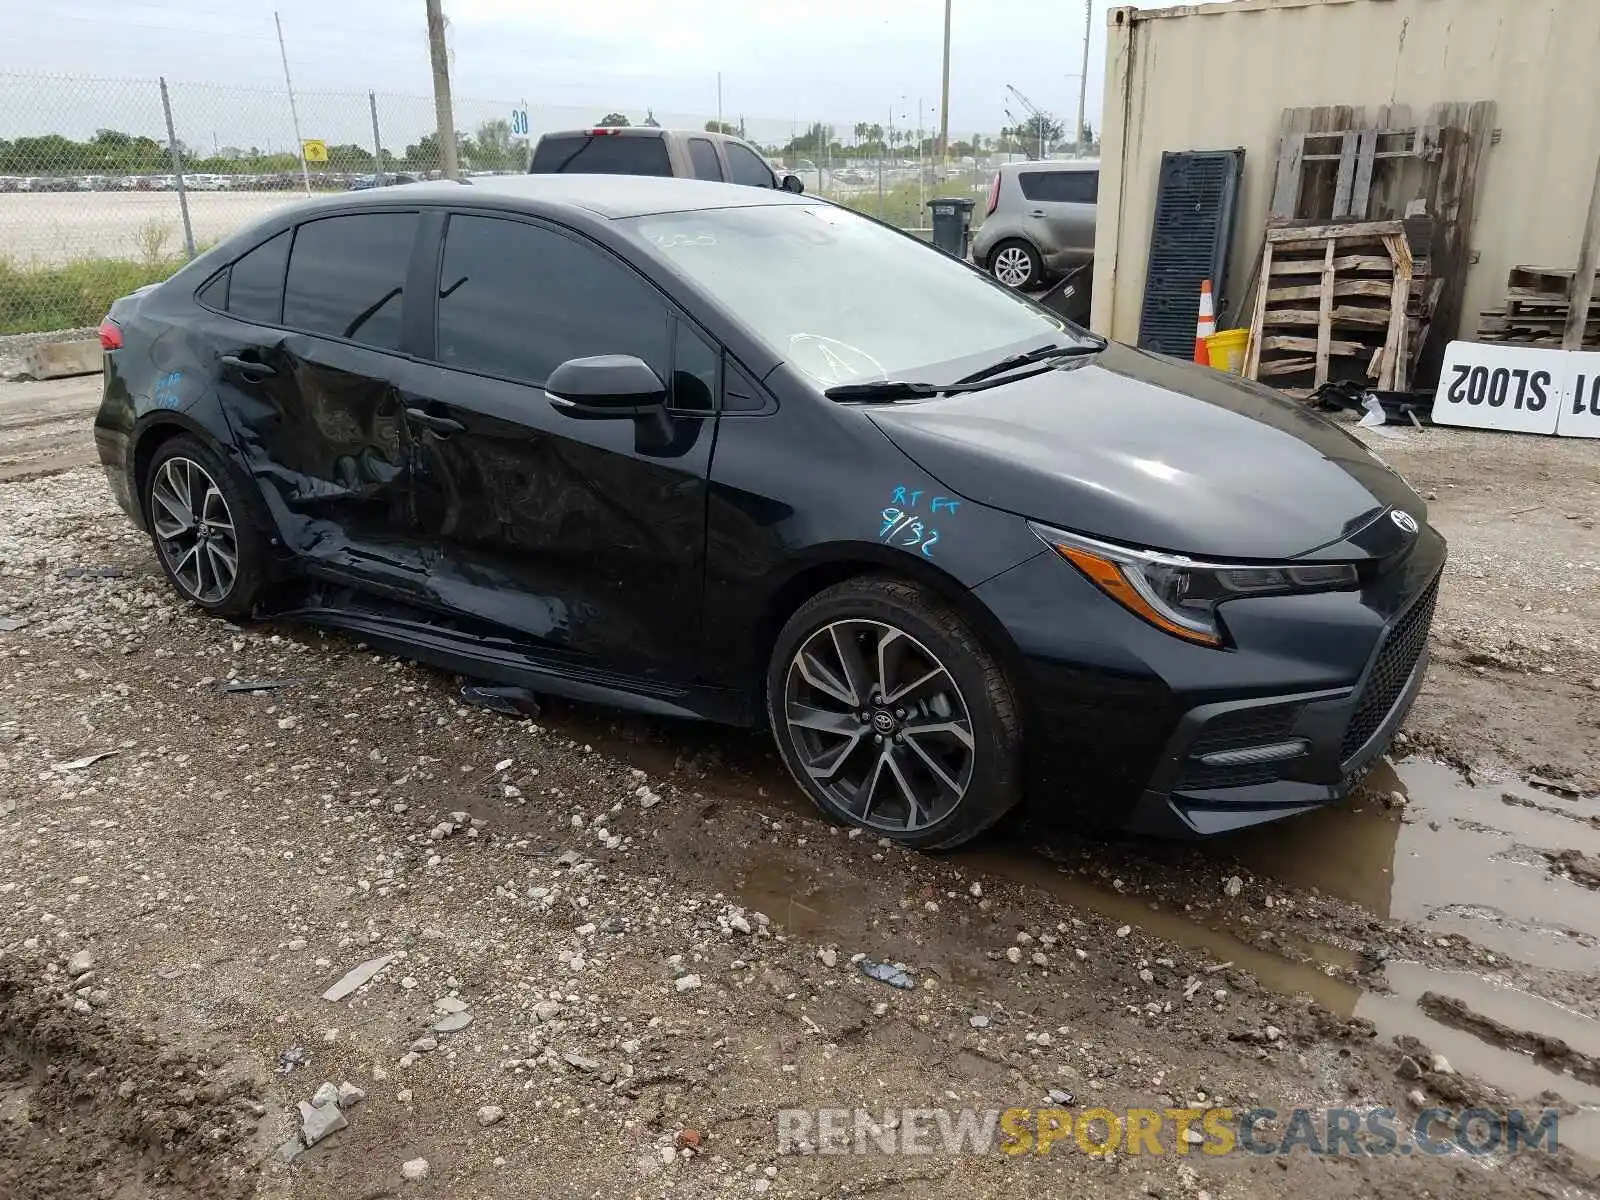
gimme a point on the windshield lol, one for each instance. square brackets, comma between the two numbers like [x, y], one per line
[846, 300]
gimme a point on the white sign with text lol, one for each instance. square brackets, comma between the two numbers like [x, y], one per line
[1514, 388]
[1519, 389]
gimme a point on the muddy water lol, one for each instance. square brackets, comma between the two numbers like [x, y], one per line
[1452, 859]
[1455, 859]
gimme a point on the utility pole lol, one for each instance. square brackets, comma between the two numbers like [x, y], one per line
[944, 101]
[294, 115]
[719, 102]
[443, 113]
[1083, 82]
[1583, 279]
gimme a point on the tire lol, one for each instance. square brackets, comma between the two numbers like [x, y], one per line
[860, 762]
[223, 523]
[1010, 259]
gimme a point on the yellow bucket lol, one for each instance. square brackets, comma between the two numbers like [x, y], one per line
[1227, 349]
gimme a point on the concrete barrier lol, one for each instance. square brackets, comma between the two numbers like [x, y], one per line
[57, 360]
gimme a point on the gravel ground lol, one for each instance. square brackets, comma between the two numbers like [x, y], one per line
[641, 943]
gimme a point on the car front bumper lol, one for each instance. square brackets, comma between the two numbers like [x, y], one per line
[1126, 727]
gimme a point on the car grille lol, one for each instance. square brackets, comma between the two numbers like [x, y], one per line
[1392, 667]
[1235, 731]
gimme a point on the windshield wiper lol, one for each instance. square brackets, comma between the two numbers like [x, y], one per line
[884, 391]
[1028, 357]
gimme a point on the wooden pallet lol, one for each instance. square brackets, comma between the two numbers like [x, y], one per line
[1538, 300]
[1356, 309]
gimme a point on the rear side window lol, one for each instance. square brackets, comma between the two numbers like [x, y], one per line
[347, 276]
[518, 300]
[746, 167]
[1061, 187]
[255, 282]
[605, 154]
[704, 157]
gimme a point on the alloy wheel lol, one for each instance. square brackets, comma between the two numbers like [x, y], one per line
[194, 530]
[1012, 266]
[879, 725]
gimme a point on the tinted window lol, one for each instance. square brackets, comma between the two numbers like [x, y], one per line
[255, 283]
[746, 167]
[215, 293]
[694, 370]
[605, 154]
[346, 275]
[518, 300]
[740, 393]
[1062, 187]
[704, 157]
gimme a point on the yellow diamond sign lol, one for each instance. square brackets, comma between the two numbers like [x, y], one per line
[316, 150]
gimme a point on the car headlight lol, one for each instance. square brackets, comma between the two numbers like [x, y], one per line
[1180, 595]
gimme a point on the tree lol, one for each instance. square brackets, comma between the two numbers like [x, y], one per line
[650, 119]
[861, 131]
[1038, 134]
[613, 120]
[727, 127]
[424, 153]
[492, 148]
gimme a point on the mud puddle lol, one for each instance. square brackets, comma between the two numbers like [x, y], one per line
[1453, 859]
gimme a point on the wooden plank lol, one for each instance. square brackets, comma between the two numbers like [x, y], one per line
[1349, 262]
[1252, 358]
[1361, 191]
[1343, 316]
[1325, 313]
[1376, 230]
[1287, 366]
[1286, 191]
[1350, 287]
[1306, 345]
[1346, 181]
[1394, 368]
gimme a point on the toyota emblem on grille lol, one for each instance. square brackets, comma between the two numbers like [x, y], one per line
[1407, 523]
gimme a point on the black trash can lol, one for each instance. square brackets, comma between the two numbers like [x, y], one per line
[952, 223]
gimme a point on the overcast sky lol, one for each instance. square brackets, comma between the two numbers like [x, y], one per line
[782, 61]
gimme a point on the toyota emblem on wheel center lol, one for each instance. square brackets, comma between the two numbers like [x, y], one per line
[1405, 520]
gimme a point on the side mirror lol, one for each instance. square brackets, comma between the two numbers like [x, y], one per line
[606, 385]
[791, 183]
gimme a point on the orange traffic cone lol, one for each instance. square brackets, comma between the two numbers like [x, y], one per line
[1207, 325]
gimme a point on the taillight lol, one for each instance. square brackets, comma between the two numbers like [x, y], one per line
[603, 132]
[110, 335]
[994, 195]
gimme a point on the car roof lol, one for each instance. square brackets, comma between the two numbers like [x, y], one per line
[606, 196]
[1056, 164]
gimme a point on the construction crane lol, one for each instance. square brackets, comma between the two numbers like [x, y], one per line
[1041, 118]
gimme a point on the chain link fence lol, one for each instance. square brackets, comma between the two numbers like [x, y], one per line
[109, 184]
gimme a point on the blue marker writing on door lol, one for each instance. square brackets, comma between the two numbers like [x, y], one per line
[904, 522]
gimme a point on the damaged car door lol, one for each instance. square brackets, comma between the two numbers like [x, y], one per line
[580, 536]
[310, 391]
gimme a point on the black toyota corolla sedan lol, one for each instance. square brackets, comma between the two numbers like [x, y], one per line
[750, 457]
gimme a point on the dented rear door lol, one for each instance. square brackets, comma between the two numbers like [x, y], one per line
[314, 402]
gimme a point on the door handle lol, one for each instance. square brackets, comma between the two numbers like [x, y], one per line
[248, 368]
[434, 422]
[1038, 212]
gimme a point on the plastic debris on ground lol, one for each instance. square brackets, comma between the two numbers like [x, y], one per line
[887, 973]
[508, 701]
[229, 686]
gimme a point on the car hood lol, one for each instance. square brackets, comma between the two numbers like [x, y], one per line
[1147, 451]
